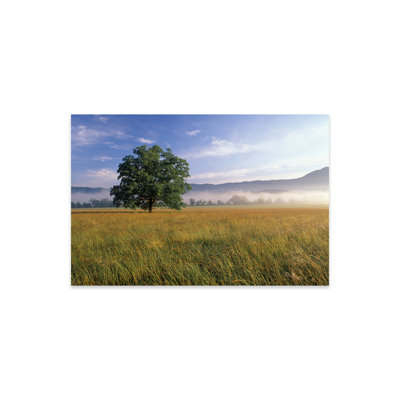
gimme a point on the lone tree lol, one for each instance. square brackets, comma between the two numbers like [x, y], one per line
[151, 177]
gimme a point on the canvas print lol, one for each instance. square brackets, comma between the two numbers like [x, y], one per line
[206, 200]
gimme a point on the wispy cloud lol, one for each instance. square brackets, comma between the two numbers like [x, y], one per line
[218, 149]
[146, 141]
[83, 135]
[102, 173]
[103, 177]
[121, 135]
[192, 133]
[222, 147]
[103, 119]
[103, 158]
[115, 146]
[286, 169]
[237, 173]
[222, 174]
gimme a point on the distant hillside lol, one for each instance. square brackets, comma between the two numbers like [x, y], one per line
[85, 194]
[85, 189]
[315, 180]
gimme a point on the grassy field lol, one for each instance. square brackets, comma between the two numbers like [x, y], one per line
[201, 246]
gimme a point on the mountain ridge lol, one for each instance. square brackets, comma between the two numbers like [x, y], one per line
[314, 180]
[317, 179]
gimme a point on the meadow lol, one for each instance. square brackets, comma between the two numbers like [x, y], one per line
[201, 246]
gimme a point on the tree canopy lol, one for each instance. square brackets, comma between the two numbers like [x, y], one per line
[152, 177]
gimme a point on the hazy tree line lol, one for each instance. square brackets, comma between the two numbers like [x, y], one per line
[238, 200]
[93, 204]
[234, 200]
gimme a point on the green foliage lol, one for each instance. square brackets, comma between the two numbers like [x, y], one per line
[151, 178]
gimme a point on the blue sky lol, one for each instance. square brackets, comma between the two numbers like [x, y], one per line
[219, 148]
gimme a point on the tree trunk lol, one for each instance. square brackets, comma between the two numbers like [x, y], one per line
[150, 206]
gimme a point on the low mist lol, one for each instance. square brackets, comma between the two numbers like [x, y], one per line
[279, 197]
[300, 197]
[85, 197]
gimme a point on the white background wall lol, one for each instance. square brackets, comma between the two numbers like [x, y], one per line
[332, 57]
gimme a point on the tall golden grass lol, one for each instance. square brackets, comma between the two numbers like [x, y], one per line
[201, 246]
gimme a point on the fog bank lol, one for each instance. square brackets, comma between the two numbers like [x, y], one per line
[85, 197]
[293, 196]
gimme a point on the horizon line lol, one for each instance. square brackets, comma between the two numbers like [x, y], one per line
[225, 183]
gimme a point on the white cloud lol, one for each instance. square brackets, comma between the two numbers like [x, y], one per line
[103, 177]
[285, 169]
[103, 119]
[119, 146]
[102, 173]
[222, 147]
[146, 141]
[121, 135]
[243, 173]
[103, 158]
[82, 135]
[222, 174]
[192, 133]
